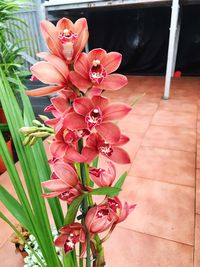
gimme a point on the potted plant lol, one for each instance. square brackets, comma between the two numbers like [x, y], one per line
[7, 137]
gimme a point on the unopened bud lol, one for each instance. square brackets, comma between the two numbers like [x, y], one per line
[40, 134]
[44, 118]
[37, 123]
[28, 130]
[26, 140]
[33, 141]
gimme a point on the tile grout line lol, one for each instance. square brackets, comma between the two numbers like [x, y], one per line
[161, 181]
[160, 237]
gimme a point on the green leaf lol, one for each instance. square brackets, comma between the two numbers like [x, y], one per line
[121, 180]
[72, 210]
[119, 183]
[95, 162]
[110, 191]
[14, 207]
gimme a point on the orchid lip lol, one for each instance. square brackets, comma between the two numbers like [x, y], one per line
[105, 149]
[97, 72]
[67, 36]
[93, 118]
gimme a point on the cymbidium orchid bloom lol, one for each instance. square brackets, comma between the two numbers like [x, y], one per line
[64, 179]
[97, 113]
[53, 71]
[94, 68]
[60, 106]
[83, 128]
[67, 195]
[99, 219]
[71, 235]
[65, 145]
[121, 211]
[103, 177]
[96, 145]
[106, 215]
[67, 39]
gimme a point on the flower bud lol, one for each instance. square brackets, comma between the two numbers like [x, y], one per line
[37, 123]
[28, 130]
[103, 177]
[43, 118]
[99, 218]
[40, 134]
[32, 141]
[26, 140]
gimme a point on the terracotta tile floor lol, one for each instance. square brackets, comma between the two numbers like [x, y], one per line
[164, 179]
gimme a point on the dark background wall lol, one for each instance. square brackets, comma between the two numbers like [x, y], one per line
[142, 35]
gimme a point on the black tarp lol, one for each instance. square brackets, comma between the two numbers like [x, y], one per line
[142, 35]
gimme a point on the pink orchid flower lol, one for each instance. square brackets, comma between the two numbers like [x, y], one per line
[102, 177]
[94, 68]
[59, 107]
[122, 212]
[99, 219]
[96, 145]
[71, 235]
[68, 194]
[64, 179]
[65, 145]
[67, 39]
[53, 71]
[97, 113]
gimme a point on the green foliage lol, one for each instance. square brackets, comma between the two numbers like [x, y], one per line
[30, 210]
[10, 60]
[109, 191]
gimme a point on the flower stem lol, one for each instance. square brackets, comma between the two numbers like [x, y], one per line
[99, 253]
[85, 181]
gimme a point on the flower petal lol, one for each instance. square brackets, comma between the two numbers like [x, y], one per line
[60, 103]
[100, 101]
[81, 65]
[60, 240]
[89, 153]
[47, 73]
[66, 173]
[81, 28]
[116, 111]
[57, 62]
[63, 24]
[109, 131]
[50, 35]
[83, 105]
[112, 61]
[73, 155]
[125, 211]
[74, 121]
[54, 185]
[43, 91]
[113, 82]
[57, 149]
[95, 91]
[120, 156]
[79, 81]
[92, 140]
[122, 140]
[97, 53]
[52, 194]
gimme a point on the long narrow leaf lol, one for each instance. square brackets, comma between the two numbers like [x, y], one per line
[13, 205]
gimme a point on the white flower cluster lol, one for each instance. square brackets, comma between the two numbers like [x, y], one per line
[30, 260]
